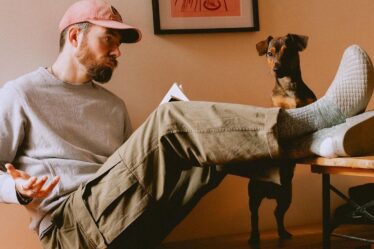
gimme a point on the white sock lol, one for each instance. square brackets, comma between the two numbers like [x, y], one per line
[348, 95]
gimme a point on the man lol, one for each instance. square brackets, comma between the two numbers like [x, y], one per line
[85, 187]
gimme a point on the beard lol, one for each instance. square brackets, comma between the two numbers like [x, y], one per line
[100, 74]
[97, 69]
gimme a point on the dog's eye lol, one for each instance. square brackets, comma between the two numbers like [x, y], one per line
[270, 54]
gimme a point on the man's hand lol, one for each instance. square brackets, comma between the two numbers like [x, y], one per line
[31, 186]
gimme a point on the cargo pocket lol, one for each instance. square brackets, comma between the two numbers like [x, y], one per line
[105, 189]
[115, 199]
[67, 231]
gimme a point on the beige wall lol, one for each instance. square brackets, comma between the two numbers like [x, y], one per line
[215, 67]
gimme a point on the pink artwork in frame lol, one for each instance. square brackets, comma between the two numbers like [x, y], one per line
[204, 16]
[205, 8]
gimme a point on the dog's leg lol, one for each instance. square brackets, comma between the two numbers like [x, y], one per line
[284, 196]
[283, 203]
[255, 199]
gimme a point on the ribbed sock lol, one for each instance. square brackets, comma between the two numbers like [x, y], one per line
[348, 95]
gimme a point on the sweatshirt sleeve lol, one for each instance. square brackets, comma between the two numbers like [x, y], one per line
[128, 126]
[12, 125]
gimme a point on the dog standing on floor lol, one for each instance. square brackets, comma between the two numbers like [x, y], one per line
[290, 91]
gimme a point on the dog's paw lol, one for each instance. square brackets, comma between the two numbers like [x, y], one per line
[254, 239]
[284, 235]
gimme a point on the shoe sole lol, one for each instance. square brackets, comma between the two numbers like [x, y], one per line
[358, 140]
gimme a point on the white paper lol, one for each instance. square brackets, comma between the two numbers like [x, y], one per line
[175, 93]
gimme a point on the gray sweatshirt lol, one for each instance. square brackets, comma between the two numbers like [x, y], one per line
[48, 127]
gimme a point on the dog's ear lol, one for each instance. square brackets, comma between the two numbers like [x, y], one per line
[300, 41]
[262, 46]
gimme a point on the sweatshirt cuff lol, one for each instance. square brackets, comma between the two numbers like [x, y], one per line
[8, 191]
[23, 200]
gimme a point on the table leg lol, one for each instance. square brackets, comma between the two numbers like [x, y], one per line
[326, 229]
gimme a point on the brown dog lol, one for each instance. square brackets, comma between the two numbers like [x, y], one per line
[282, 54]
[290, 91]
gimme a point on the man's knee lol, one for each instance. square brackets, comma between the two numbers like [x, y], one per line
[167, 111]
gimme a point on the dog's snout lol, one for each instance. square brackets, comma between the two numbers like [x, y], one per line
[276, 66]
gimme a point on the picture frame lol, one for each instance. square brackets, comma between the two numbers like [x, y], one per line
[204, 16]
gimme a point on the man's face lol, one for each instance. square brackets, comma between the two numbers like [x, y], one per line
[98, 51]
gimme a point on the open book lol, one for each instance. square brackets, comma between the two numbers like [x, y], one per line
[175, 93]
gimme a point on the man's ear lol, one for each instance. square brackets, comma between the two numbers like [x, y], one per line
[262, 46]
[300, 41]
[73, 35]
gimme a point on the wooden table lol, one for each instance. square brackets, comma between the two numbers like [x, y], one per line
[352, 166]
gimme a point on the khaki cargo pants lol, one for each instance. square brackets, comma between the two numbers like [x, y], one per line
[159, 174]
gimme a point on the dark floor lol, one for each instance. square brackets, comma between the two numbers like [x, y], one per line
[304, 238]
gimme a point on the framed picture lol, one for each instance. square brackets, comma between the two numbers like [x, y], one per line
[204, 16]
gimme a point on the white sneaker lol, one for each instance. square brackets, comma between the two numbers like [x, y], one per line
[357, 139]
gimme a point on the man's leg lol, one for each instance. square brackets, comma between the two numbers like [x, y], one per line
[149, 184]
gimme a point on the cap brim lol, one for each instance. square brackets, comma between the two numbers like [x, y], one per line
[129, 34]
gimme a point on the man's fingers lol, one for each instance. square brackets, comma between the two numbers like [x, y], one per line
[47, 190]
[39, 184]
[29, 184]
[12, 171]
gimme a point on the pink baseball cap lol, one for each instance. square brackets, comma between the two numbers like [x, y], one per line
[100, 13]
